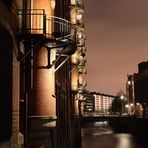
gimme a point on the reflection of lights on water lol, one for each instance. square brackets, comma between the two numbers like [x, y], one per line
[102, 133]
[101, 123]
[124, 140]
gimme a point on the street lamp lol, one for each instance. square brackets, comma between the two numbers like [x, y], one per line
[129, 82]
[123, 99]
[127, 108]
[132, 108]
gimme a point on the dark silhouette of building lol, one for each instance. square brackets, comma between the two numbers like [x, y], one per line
[137, 93]
[141, 84]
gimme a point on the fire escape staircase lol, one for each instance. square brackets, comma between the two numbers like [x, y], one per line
[51, 32]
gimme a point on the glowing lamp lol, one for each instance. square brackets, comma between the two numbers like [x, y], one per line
[79, 16]
[53, 3]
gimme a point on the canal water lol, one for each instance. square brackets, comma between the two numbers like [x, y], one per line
[102, 136]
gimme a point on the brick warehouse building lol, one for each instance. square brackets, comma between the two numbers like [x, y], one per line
[140, 87]
[42, 77]
[137, 93]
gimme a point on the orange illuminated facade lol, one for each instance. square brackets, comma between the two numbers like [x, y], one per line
[45, 65]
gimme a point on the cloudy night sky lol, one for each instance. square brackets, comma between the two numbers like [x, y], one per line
[116, 41]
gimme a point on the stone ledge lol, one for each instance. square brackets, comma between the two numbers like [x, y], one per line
[41, 123]
[43, 117]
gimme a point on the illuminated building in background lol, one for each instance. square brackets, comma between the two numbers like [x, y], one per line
[103, 103]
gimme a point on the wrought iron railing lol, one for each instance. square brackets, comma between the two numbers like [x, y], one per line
[62, 29]
[34, 21]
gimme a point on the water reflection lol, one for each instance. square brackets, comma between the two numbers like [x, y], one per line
[125, 141]
[103, 137]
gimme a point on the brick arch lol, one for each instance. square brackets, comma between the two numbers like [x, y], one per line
[6, 57]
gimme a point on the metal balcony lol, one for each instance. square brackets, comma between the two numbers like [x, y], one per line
[64, 29]
[35, 22]
[52, 32]
[32, 21]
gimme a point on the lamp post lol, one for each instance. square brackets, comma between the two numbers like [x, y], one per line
[127, 108]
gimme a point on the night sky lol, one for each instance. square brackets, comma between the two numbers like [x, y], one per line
[116, 41]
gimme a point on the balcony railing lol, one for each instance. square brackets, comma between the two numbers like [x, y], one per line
[35, 21]
[62, 29]
[32, 21]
